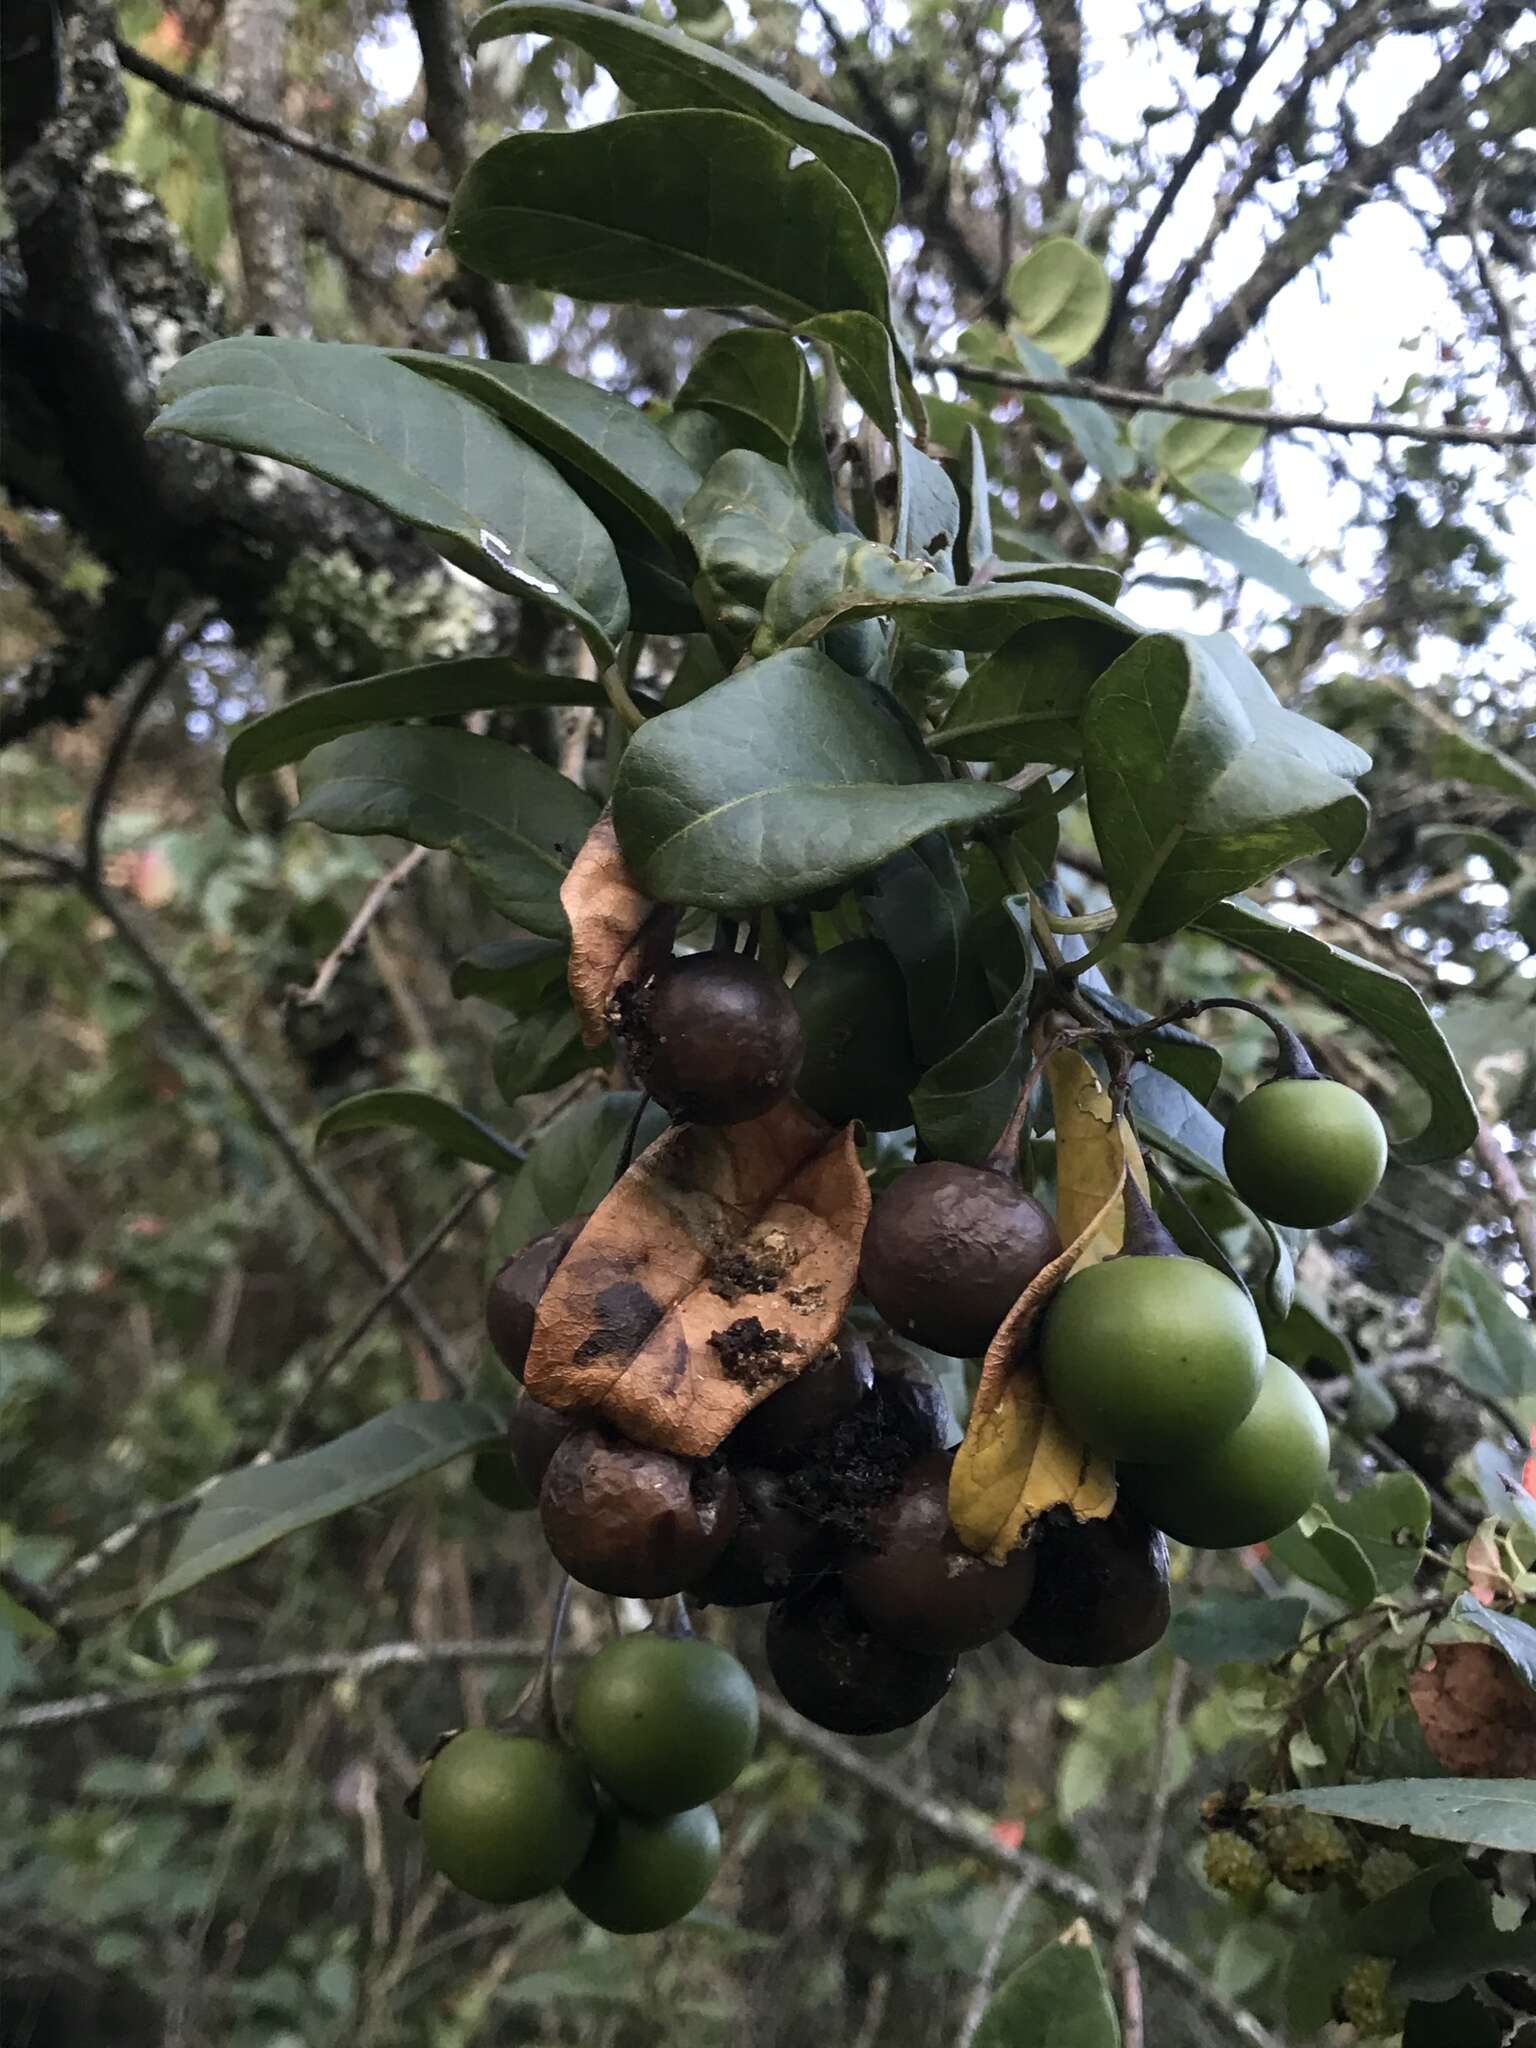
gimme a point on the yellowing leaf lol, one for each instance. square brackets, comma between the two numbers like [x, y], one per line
[1093, 1152]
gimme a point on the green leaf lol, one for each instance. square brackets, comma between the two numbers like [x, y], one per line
[1457, 753]
[1095, 433]
[514, 823]
[1328, 1559]
[1237, 1628]
[784, 779]
[977, 621]
[962, 1105]
[1059, 293]
[916, 904]
[588, 433]
[658, 68]
[1025, 702]
[1188, 447]
[1462, 841]
[1058, 1999]
[928, 513]
[571, 1167]
[759, 383]
[1251, 557]
[1200, 782]
[1390, 1008]
[613, 213]
[451, 1129]
[1517, 1639]
[261, 1504]
[514, 973]
[1492, 1348]
[865, 355]
[541, 1050]
[1491, 1813]
[814, 581]
[359, 419]
[435, 689]
[1389, 1519]
[978, 504]
[1306, 1336]
[746, 521]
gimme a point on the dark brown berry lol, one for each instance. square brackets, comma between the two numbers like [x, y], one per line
[830, 1387]
[949, 1250]
[714, 1037]
[1101, 1589]
[775, 1545]
[918, 1584]
[834, 1669]
[518, 1287]
[625, 1519]
[908, 1403]
[534, 1434]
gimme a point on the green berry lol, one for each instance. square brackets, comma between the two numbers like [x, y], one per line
[664, 1722]
[1306, 1851]
[643, 1874]
[1383, 1871]
[505, 1817]
[1364, 1998]
[1234, 1866]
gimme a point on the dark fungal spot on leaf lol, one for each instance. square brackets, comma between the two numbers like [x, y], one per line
[625, 1316]
[752, 1356]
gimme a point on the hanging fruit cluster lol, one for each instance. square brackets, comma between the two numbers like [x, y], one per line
[721, 1403]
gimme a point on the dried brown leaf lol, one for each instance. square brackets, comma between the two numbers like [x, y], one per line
[719, 1267]
[618, 933]
[1478, 1715]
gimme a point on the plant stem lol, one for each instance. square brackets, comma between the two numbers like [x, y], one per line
[616, 688]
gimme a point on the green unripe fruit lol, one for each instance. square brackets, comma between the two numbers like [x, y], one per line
[859, 1057]
[1307, 1153]
[664, 1722]
[643, 1874]
[1152, 1358]
[1365, 1999]
[1234, 1866]
[1306, 1851]
[495, 1477]
[505, 1817]
[1383, 1871]
[1250, 1485]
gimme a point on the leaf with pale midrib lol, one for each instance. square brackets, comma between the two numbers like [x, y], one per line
[451, 1129]
[357, 418]
[514, 823]
[250, 1509]
[661, 68]
[614, 214]
[436, 689]
[779, 781]
[1493, 1813]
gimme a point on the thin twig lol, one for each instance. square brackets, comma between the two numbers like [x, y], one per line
[1124, 1968]
[1015, 1900]
[149, 687]
[357, 930]
[1118, 399]
[178, 88]
[40, 1601]
[1509, 339]
[1513, 1198]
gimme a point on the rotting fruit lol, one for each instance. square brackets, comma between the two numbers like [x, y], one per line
[1151, 1356]
[777, 1430]
[949, 1250]
[714, 1037]
[506, 1816]
[919, 1586]
[663, 1722]
[642, 1874]
[1305, 1152]
[518, 1287]
[860, 1064]
[1250, 1485]
[625, 1519]
[1101, 1589]
[534, 1434]
[776, 1544]
[838, 1672]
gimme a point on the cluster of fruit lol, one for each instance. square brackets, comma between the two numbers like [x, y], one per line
[613, 1808]
[1251, 1843]
[830, 1499]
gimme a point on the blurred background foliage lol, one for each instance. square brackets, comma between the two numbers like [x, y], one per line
[239, 1870]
